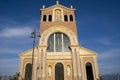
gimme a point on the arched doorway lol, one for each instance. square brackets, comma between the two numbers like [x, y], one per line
[59, 71]
[28, 72]
[89, 71]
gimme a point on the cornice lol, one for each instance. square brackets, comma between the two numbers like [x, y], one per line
[57, 5]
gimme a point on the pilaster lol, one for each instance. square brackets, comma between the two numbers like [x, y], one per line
[83, 69]
[78, 63]
[96, 68]
[41, 62]
[44, 64]
[21, 67]
[74, 63]
[34, 68]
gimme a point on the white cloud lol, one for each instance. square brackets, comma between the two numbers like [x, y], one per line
[9, 62]
[113, 53]
[16, 32]
[9, 51]
[105, 41]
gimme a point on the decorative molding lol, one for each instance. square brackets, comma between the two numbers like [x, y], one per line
[59, 57]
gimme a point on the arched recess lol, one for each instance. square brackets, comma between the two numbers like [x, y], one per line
[59, 71]
[68, 70]
[57, 15]
[71, 35]
[28, 72]
[89, 71]
[49, 70]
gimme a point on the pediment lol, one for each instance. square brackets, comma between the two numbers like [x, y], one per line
[86, 52]
[57, 6]
[28, 53]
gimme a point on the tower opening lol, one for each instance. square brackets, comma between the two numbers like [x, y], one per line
[50, 17]
[71, 18]
[65, 18]
[44, 17]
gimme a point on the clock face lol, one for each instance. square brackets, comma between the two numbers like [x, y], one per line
[57, 15]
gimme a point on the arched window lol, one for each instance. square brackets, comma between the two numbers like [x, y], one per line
[44, 17]
[71, 18]
[65, 18]
[58, 42]
[28, 72]
[59, 71]
[89, 71]
[50, 17]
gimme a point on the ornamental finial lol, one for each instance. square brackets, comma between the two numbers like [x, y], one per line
[57, 2]
[43, 6]
[71, 7]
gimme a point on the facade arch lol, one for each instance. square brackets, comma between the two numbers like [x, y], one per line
[72, 37]
[63, 67]
[28, 71]
[24, 67]
[89, 71]
[59, 71]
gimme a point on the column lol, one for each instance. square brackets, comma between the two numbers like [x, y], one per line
[83, 69]
[78, 64]
[39, 64]
[44, 64]
[21, 68]
[74, 64]
[96, 68]
[34, 68]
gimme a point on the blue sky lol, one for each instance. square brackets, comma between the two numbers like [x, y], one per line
[98, 24]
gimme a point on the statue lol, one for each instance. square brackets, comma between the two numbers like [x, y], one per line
[68, 70]
[49, 70]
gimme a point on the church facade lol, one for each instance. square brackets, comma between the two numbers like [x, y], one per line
[58, 55]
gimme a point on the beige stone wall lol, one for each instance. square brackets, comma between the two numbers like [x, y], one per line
[45, 25]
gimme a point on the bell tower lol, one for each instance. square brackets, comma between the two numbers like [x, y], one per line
[57, 15]
[59, 35]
